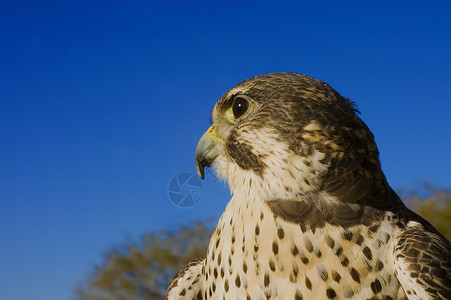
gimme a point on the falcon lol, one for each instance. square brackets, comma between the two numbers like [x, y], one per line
[312, 215]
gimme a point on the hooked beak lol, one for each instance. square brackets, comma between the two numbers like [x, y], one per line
[206, 151]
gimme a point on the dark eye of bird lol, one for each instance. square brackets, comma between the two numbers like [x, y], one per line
[240, 106]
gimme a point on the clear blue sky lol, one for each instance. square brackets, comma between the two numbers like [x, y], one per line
[102, 103]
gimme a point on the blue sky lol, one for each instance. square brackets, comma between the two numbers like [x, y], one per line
[102, 103]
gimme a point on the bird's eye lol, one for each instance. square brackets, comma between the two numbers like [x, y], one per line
[239, 107]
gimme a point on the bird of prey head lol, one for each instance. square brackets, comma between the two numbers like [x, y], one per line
[283, 135]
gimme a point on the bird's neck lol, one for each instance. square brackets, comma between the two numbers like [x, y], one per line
[313, 209]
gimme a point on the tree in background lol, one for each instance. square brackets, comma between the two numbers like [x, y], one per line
[143, 271]
[435, 207]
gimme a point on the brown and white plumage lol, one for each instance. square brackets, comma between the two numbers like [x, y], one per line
[311, 216]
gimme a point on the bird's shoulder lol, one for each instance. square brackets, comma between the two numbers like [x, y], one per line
[423, 260]
[187, 284]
